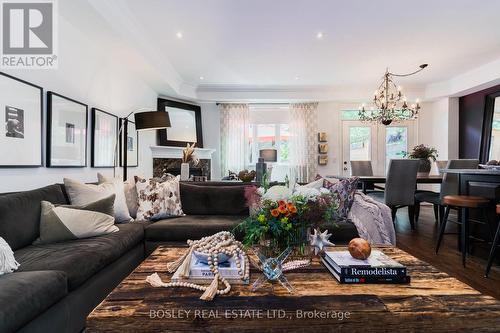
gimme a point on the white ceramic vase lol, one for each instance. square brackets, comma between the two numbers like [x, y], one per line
[184, 171]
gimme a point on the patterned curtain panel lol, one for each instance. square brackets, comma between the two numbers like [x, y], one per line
[234, 119]
[303, 131]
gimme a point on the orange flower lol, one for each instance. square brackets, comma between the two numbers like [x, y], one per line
[275, 213]
[290, 206]
[282, 209]
[293, 210]
[281, 203]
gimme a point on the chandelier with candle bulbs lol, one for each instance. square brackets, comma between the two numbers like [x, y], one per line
[389, 102]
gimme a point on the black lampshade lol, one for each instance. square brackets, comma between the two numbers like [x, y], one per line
[269, 155]
[151, 120]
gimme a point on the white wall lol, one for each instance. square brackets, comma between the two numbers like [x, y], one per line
[93, 69]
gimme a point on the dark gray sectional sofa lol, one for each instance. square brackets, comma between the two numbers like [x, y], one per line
[58, 285]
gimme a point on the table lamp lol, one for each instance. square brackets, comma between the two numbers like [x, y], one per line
[265, 155]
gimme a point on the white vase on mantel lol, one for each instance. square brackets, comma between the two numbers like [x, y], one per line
[184, 171]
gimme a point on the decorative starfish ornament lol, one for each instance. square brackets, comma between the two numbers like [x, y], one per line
[319, 240]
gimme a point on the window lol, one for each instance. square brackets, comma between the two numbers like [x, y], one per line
[265, 136]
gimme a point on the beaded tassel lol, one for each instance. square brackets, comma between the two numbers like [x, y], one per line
[172, 266]
[184, 268]
[211, 291]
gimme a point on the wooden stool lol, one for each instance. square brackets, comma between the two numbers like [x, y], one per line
[464, 203]
[493, 246]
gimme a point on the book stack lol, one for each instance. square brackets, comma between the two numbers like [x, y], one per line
[378, 268]
[200, 272]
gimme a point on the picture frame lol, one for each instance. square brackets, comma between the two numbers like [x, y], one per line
[322, 137]
[322, 159]
[104, 138]
[132, 145]
[21, 133]
[67, 124]
[323, 148]
[186, 124]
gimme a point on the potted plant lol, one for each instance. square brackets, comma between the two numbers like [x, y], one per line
[425, 154]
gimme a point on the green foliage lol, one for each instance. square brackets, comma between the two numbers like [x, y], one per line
[422, 151]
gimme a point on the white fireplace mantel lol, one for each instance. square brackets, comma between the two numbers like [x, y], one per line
[176, 152]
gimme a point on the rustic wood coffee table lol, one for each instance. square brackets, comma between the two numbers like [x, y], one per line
[433, 301]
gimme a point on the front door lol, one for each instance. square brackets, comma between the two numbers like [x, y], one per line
[376, 143]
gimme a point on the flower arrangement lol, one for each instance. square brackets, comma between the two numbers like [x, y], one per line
[283, 218]
[188, 154]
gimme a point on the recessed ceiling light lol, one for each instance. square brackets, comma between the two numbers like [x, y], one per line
[319, 35]
[202, 78]
[296, 78]
[179, 35]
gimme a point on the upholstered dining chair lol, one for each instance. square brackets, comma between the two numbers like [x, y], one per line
[361, 168]
[449, 186]
[400, 187]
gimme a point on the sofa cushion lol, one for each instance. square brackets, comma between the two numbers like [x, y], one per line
[213, 200]
[81, 259]
[180, 229]
[20, 214]
[25, 295]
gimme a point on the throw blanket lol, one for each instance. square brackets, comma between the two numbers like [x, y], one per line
[372, 219]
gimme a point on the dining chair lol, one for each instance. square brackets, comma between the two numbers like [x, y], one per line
[400, 187]
[361, 168]
[364, 168]
[449, 186]
[441, 165]
[494, 245]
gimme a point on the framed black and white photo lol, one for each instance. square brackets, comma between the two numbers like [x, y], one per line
[67, 122]
[103, 139]
[186, 124]
[132, 144]
[21, 117]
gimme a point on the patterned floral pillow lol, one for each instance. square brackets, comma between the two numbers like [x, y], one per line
[344, 189]
[158, 199]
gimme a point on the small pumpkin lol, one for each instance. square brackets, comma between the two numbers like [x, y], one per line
[359, 248]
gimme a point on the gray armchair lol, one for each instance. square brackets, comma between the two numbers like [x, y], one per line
[400, 187]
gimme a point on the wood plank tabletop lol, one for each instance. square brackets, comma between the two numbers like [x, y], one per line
[432, 302]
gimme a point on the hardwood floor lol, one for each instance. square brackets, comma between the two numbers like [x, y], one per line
[421, 244]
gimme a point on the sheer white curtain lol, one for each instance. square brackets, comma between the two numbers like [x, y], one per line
[234, 120]
[303, 141]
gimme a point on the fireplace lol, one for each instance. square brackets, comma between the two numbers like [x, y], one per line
[168, 160]
[173, 166]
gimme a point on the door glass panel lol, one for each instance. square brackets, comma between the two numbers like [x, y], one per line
[495, 132]
[360, 143]
[396, 143]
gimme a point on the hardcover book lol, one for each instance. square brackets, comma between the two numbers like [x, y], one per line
[200, 272]
[382, 279]
[377, 265]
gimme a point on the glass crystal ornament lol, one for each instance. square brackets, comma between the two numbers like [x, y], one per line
[272, 270]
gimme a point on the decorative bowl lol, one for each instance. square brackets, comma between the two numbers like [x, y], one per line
[246, 176]
[203, 257]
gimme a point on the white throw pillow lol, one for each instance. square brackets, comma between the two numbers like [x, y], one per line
[130, 193]
[8, 263]
[81, 194]
[158, 200]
